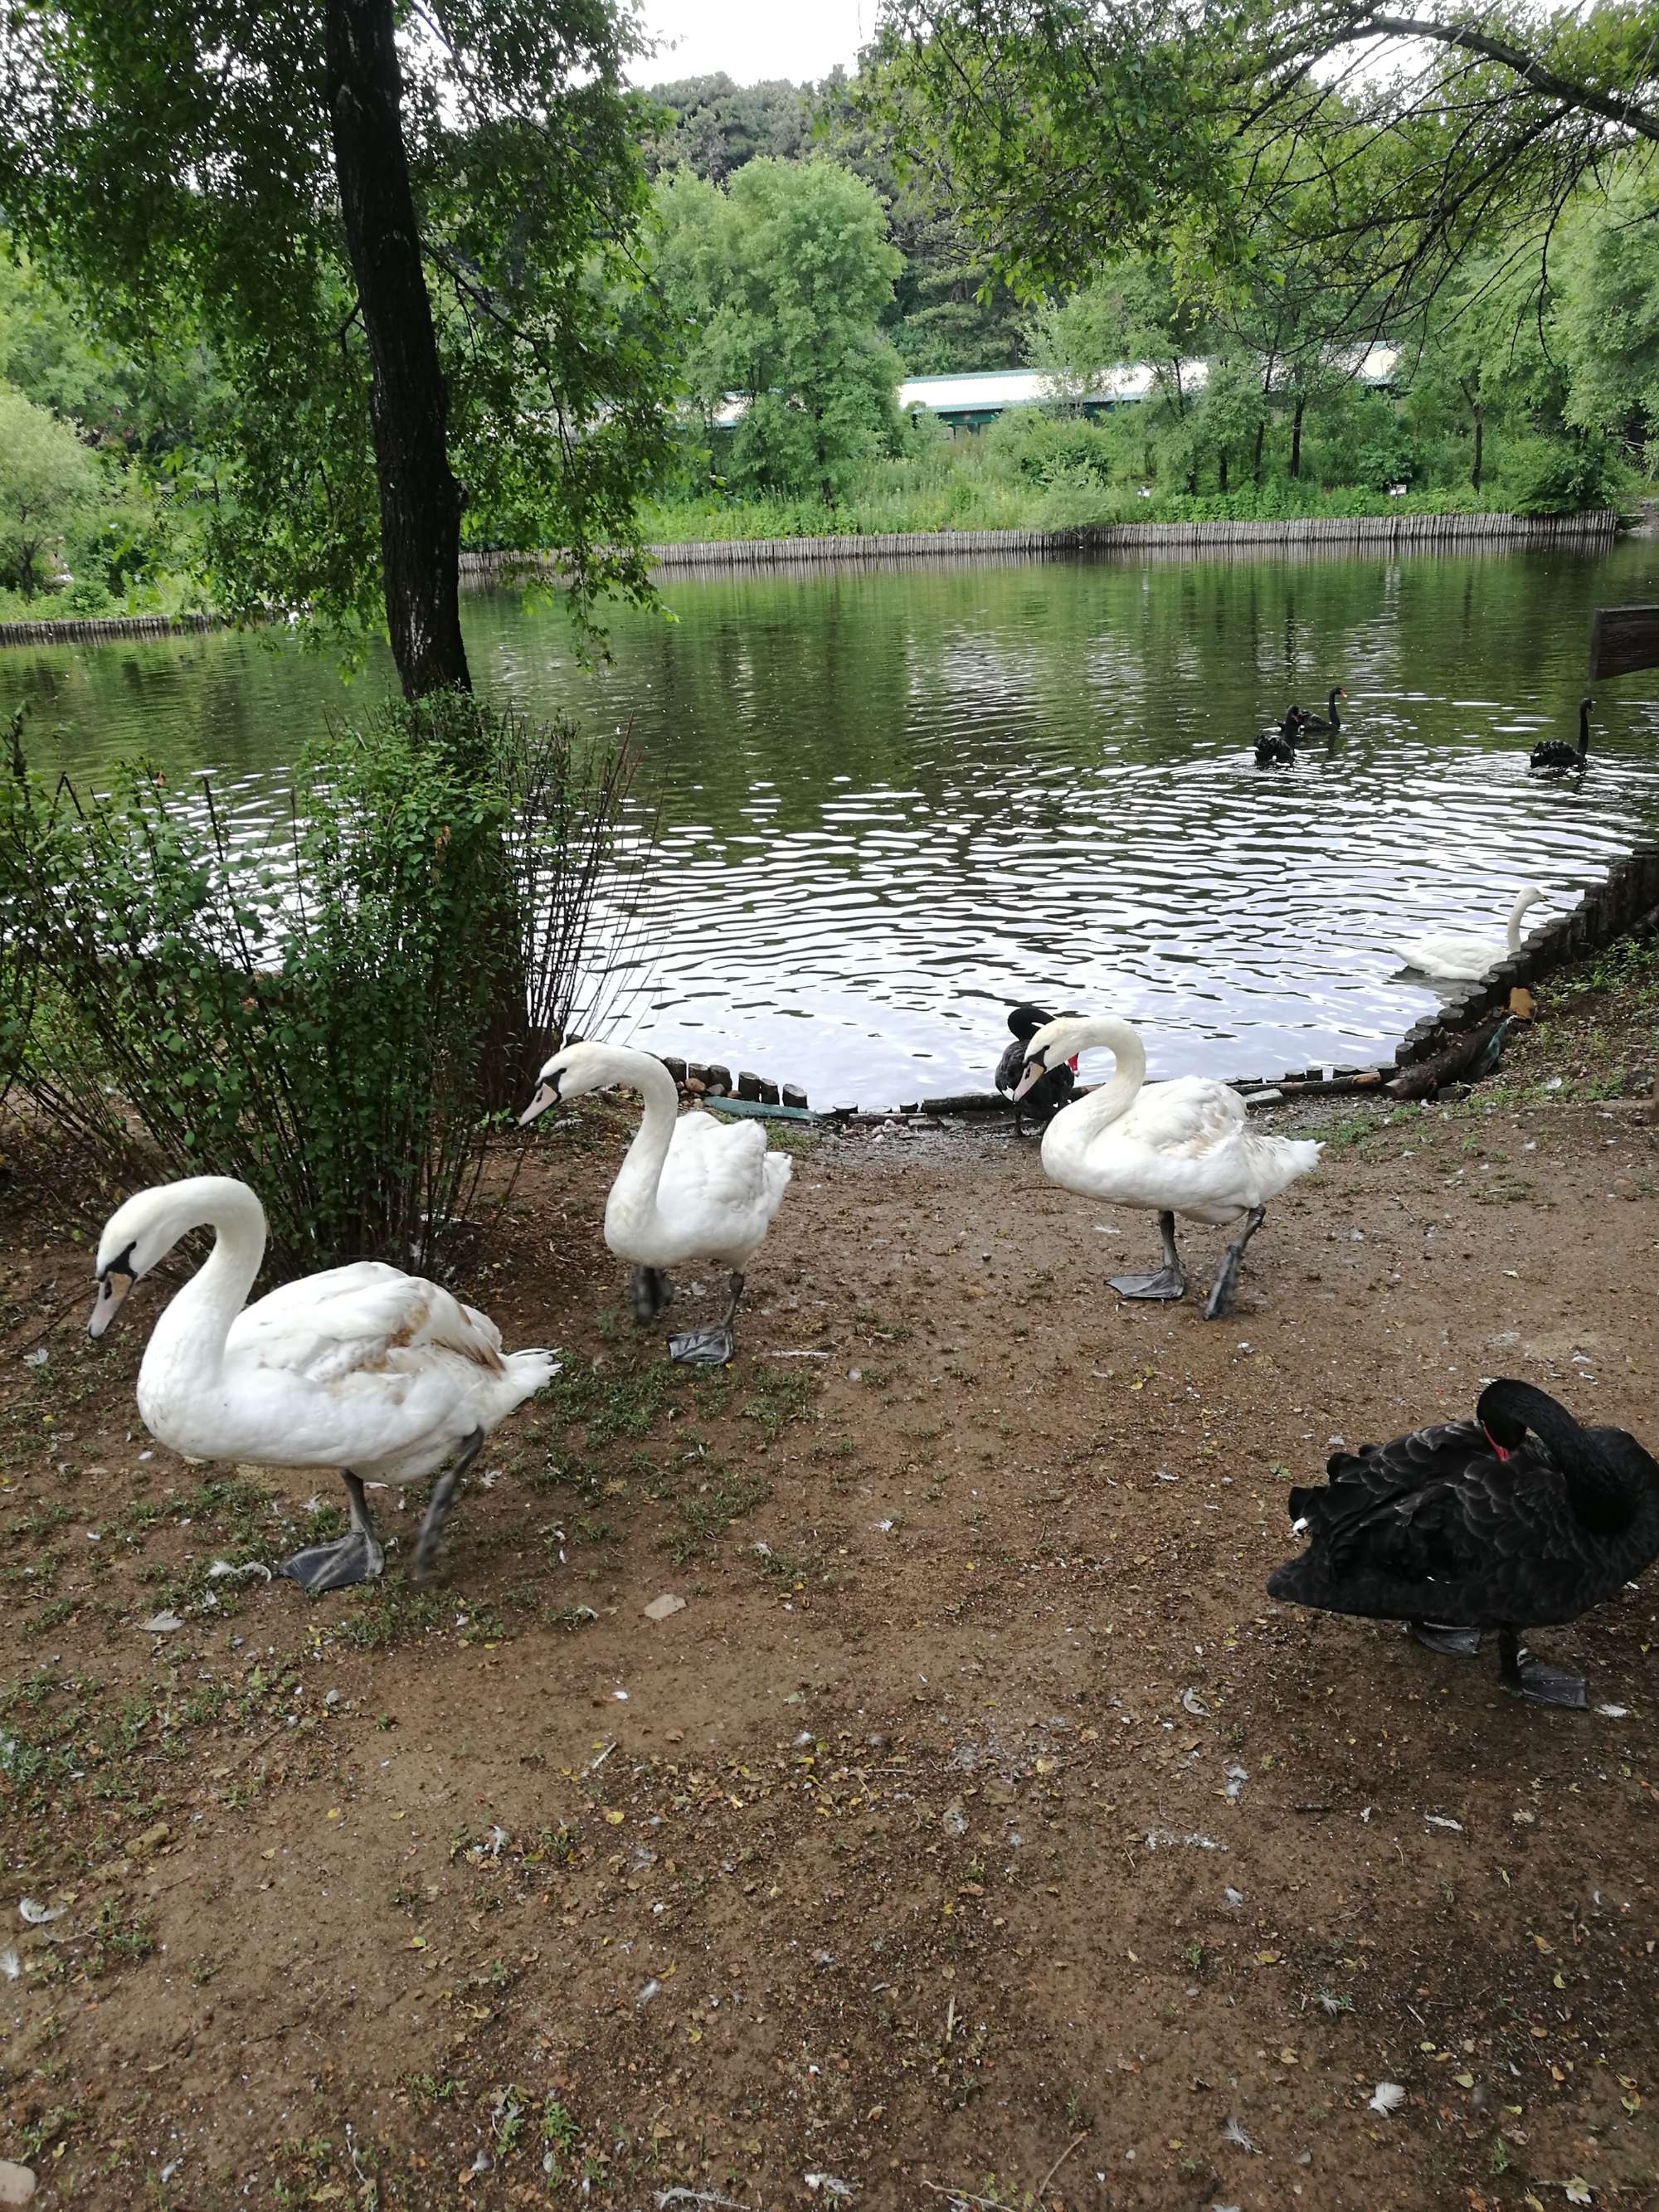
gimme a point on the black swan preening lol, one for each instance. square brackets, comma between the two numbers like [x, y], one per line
[1514, 1519]
[1555, 756]
[1276, 748]
[1330, 719]
[1045, 1099]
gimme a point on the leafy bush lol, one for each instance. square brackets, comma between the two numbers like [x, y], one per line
[1550, 476]
[331, 1011]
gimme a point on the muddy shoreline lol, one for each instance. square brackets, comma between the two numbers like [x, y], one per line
[977, 1830]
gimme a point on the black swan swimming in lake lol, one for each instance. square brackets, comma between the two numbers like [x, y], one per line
[1045, 1099]
[1555, 756]
[1330, 719]
[1517, 1519]
[1276, 748]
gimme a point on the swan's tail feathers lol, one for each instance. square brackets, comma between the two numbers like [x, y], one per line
[779, 1168]
[531, 1371]
[1280, 1160]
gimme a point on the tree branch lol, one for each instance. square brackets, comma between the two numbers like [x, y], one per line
[1466, 37]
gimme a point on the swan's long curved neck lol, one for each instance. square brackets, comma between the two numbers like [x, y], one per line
[1521, 904]
[1103, 1107]
[1583, 732]
[195, 1325]
[634, 1190]
[1601, 1493]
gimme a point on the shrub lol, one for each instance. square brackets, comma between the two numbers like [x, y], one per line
[1550, 476]
[329, 1009]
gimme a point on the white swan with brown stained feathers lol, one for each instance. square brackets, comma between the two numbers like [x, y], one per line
[381, 1376]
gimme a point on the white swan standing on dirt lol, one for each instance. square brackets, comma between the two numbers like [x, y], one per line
[1466, 959]
[380, 1375]
[690, 1189]
[1178, 1147]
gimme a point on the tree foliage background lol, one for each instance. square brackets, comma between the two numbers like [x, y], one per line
[174, 166]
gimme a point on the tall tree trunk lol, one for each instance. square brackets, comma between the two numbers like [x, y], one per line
[1479, 442]
[1223, 468]
[1296, 435]
[421, 500]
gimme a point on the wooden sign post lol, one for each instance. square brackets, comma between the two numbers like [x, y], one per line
[1622, 640]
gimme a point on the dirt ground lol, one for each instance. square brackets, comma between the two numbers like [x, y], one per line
[977, 1833]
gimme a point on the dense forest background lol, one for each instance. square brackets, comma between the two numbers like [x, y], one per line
[799, 261]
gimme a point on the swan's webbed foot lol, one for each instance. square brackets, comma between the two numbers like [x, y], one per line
[651, 1293]
[1220, 1303]
[357, 1557]
[711, 1347]
[1534, 1680]
[1168, 1283]
[1438, 1636]
[704, 1347]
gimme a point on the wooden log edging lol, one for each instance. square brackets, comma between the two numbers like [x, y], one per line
[1595, 525]
[88, 629]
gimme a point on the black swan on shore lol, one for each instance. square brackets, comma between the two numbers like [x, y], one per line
[1045, 1099]
[1555, 756]
[1518, 1519]
[1330, 719]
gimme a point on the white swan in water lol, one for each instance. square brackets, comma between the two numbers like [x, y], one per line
[377, 1374]
[691, 1188]
[1177, 1148]
[1466, 959]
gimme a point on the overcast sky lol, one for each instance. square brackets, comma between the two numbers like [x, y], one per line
[753, 39]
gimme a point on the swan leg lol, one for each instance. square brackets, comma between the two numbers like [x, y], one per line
[1170, 1280]
[1533, 1679]
[651, 1294]
[710, 1347]
[1436, 1636]
[1220, 1303]
[438, 1505]
[357, 1558]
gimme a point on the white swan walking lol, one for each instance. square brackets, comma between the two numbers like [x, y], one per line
[691, 1188]
[1178, 1147]
[1466, 959]
[377, 1374]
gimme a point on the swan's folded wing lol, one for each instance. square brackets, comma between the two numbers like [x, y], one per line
[365, 1317]
[1185, 1118]
[716, 1164]
[1011, 1067]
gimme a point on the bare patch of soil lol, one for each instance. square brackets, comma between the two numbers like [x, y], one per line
[977, 1830]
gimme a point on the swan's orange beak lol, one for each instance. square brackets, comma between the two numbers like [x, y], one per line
[112, 1287]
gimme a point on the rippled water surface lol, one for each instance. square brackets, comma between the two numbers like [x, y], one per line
[894, 799]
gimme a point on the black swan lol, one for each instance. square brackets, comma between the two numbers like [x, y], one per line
[1276, 748]
[1045, 1099]
[1555, 756]
[1514, 1519]
[1330, 719]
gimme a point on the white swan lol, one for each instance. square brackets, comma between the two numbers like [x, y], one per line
[1466, 959]
[1177, 1148]
[363, 1368]
[691, 1188]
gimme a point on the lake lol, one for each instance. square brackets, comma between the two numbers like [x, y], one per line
[896, 799]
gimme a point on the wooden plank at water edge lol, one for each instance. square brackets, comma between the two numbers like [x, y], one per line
[1623, 639]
